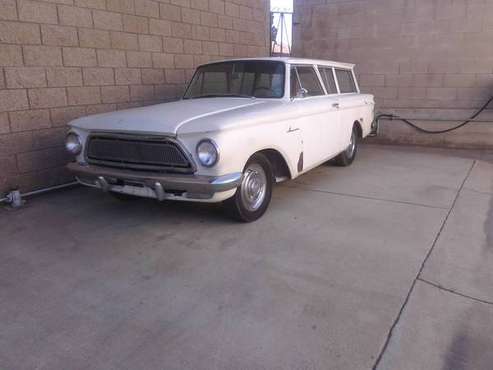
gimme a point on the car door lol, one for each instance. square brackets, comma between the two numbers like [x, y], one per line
[317, 115]
[327, 74]
[349, 103]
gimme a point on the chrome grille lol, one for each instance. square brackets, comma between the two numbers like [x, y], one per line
[136, 153]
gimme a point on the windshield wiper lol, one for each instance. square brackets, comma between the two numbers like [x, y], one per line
[221, 96]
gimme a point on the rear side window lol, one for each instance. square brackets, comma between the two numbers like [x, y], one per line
[328, 78]
[346, 81]
[309, 80]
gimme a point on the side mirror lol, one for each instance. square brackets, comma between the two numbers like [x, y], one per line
[302, 93]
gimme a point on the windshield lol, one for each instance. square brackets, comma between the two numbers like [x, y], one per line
[247, 78]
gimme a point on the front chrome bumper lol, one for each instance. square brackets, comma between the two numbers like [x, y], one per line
[154, 185]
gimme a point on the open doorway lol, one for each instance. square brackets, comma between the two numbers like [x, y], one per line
[281, 26]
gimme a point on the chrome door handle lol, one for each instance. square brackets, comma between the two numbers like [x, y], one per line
[335, 105]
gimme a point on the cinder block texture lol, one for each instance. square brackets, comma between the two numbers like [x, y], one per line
[420, 58]
[63, 59]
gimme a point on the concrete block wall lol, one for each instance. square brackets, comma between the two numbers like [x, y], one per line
[420, 58]
[62, 59]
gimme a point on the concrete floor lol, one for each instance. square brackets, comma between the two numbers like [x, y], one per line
[386, 264]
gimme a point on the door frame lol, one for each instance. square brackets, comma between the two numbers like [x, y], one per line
[322, 151]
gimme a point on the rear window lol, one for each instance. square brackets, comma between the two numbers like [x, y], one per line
[328, 79]
[346, 81]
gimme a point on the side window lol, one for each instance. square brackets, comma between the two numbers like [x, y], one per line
[309, 80]
[328, 79]
[346, 81]
[294, 82]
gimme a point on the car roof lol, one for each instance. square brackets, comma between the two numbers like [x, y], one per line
[290, 60]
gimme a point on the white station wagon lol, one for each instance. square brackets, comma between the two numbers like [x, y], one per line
[241, 126]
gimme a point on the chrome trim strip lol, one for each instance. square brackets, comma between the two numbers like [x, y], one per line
[228, 179]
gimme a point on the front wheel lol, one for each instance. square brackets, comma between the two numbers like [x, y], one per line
[254, 194]
[347, 156]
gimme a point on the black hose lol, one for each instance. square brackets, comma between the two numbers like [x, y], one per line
[420, 129]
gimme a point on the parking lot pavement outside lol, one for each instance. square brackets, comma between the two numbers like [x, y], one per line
[420, 58]
[380, 265]
[60, 60]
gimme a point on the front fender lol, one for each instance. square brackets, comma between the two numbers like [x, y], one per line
[236, 146]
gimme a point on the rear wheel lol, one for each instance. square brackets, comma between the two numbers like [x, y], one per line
[253, 196]
[347, 156]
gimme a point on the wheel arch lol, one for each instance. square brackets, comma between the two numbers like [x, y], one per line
[279, 164]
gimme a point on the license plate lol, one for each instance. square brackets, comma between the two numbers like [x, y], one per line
[139, 191]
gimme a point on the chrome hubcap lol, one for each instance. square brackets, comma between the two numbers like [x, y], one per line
[352, 145]
[253, 187]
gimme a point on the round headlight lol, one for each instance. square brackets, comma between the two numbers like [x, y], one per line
[73, 144]
[207, 152]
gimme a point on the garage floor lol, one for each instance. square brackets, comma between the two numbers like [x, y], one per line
[388, 263]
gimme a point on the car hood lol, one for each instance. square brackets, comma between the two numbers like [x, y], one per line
[166, 118]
